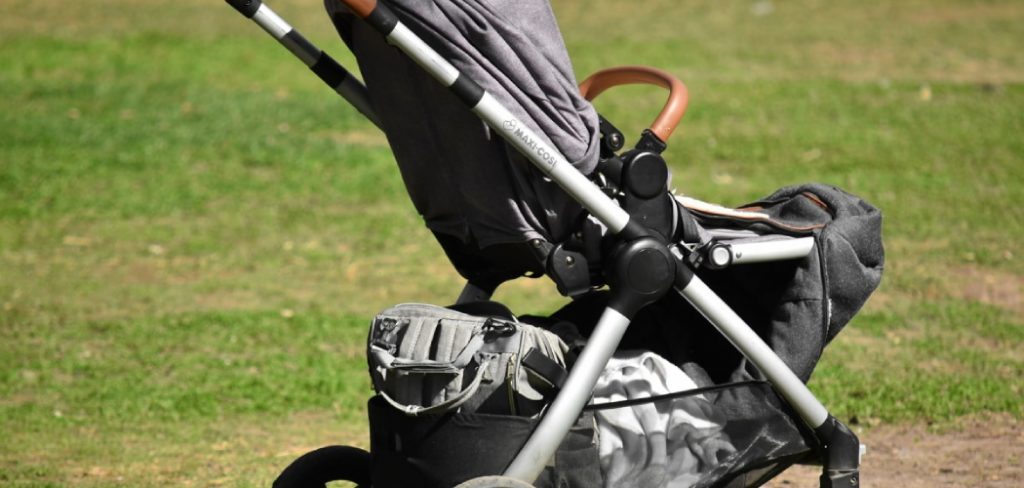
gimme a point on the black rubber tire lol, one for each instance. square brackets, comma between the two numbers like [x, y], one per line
[332, 463]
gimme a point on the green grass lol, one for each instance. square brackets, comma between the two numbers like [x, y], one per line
[935, 361]
[193, 231]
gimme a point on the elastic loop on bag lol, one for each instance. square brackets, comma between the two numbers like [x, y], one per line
[449, 404]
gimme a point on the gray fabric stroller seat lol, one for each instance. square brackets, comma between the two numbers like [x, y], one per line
[480, 198]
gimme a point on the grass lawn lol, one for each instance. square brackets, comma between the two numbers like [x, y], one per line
[194, 231]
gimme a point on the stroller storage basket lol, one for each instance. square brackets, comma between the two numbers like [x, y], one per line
[435, 451]
[754, 438]
[737, 435]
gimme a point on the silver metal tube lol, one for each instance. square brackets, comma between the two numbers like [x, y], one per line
[323, 65]
[780, 250]
[423, 54]
[266, 18]
[579, 387]
[754, 348]
[553, 163]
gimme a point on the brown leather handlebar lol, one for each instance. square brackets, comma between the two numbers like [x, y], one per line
[674, 108]
[362, 8]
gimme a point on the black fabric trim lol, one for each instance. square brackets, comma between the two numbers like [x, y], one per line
[670, 396]
[467, 90]
[382, 19]
[247, 8]
[687, 225]
[327, 69]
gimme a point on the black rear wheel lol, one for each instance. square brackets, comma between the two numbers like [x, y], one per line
[332, 463]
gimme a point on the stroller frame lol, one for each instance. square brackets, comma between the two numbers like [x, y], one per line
[661, 266]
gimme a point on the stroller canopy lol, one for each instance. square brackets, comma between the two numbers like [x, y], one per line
[462, 179]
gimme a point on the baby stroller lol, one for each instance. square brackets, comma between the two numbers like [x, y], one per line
[545, 186]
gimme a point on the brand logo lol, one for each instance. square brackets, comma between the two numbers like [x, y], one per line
[527, 144]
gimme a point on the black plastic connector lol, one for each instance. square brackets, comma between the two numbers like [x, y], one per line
[467, 90]
[646, 175]
[840, 455]
[644, 192]
[247, 8]
[328, 70]
[649, 141]
[612, 139]
[641, 272]
[382, 19]
[684, 275]
[611, 169]
[570, 271]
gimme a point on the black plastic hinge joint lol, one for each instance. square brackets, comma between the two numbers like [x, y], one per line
[247, 8]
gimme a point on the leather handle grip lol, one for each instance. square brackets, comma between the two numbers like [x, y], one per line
[674, 108]
[362, 8]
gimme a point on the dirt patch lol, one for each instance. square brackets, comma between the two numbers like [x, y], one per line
[992, 287]
[978, 452]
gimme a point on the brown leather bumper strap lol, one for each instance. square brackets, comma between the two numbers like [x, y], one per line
[362, 8]
[674, 107]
